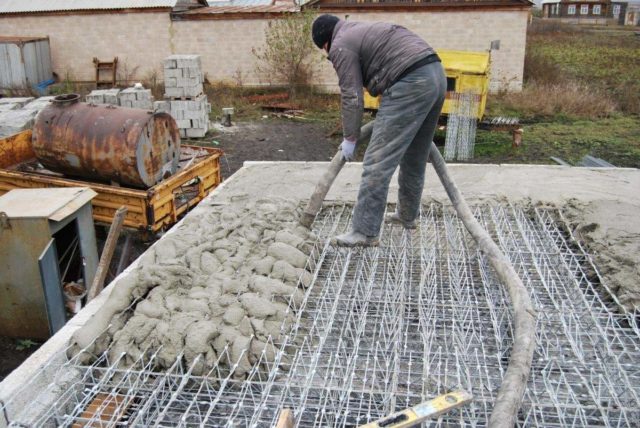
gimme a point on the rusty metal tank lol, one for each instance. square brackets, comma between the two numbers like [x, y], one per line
[133, 147]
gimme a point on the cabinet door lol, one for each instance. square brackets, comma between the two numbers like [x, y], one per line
[54, 300]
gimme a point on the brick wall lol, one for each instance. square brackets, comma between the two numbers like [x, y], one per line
[470, 31]
[225, 47]
[142, 40]
[139, 40]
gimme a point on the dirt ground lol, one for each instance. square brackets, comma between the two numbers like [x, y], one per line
[11, 357]
[273, 140]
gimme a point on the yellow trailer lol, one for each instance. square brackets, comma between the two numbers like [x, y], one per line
[466, 72]
[151, 210]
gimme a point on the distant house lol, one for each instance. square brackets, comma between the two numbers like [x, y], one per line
[598, 12]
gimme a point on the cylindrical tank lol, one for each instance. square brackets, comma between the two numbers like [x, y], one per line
[132, 147]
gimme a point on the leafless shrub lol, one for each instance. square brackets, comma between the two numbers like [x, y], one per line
[288, 55]
[153, 81]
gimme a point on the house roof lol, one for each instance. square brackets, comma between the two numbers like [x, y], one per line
[246, 8]
[403, 4]
[38, 6]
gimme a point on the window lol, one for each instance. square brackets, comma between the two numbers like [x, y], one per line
[451, 84]
[596, 9]
[616, 10]
[584, 9]
[572, 9]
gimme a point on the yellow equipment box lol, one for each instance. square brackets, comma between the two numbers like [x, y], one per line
[466, 72]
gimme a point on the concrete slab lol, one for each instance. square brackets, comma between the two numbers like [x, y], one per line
[608, 198]
[536, 183]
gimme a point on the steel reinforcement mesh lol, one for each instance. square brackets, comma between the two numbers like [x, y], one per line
[386, 328]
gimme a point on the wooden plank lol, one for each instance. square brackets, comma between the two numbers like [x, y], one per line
[285, 420]
[102, 411]
[107, 253]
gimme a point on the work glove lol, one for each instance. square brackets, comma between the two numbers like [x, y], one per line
[348, 150]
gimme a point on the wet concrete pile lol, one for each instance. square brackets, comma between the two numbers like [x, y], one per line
[226, 279]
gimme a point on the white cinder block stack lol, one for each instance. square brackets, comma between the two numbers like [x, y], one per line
[184, 97]
[103, 96]
[136, 98]
[183, 76]
[18, 114]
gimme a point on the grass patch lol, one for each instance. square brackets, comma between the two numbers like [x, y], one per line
[613, 139]
[581, 96]
[604, 61]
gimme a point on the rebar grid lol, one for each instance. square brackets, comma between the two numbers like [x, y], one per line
[462, 124]
[383, 329]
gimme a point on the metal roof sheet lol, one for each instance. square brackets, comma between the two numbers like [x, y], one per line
[19, 203]
[245, 6]
[465, 62]
[20, 39]
[22, 6]
[224, 3]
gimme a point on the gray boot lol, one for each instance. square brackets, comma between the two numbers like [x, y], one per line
[355, 239]
[395, 218]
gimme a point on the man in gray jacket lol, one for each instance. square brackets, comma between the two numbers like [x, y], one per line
[390, 60]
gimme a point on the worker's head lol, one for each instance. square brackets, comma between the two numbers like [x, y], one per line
[322, 30]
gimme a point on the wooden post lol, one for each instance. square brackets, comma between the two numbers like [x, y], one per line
[517, 137]
[107, 253]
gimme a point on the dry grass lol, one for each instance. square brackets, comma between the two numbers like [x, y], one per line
[589, 64]
[545, 100]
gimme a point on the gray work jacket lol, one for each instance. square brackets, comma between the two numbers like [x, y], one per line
[372, 55]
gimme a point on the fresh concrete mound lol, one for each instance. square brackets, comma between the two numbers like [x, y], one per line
[224, 281]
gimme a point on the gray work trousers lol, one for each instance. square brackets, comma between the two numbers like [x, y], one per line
[402, 135]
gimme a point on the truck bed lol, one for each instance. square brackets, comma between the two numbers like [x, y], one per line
[151, 210]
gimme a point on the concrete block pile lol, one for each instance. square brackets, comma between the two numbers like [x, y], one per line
[136, 98]
[184, 97]
[7, 104]
[183, 76]
[192, 116]
[18, 114]
[104, 96]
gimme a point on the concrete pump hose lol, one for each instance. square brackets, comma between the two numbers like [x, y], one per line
[322, 188]
[509, 399]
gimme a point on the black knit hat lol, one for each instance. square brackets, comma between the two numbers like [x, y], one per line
[322, 29]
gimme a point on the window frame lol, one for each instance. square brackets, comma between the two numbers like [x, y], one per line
[584, 9]
[596, 9]
[616, 10]
[571, 10]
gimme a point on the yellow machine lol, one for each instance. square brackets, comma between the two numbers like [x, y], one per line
[466, 72]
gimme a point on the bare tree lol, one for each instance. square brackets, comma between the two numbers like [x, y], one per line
[288, 54]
